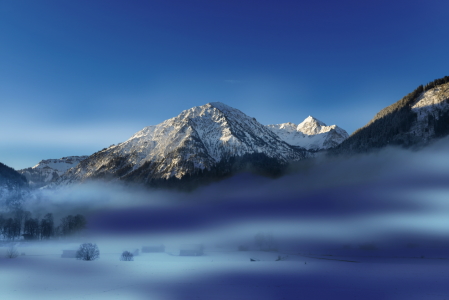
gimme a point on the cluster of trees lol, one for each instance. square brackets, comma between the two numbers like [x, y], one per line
[257, 163]
[22, 224]
[441, 125]
[71, 225]
[89, 252]
[127, 256]
[436, 83]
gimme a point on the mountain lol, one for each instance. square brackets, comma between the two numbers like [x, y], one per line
[13, 186]
[49, 170]
[206, 141]
[413, 121]
[311, 134]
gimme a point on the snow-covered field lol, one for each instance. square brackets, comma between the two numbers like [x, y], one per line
[219, 274]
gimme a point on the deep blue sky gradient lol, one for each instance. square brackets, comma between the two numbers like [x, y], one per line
[77, 76]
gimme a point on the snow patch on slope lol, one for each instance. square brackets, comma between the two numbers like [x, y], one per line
[430, 103]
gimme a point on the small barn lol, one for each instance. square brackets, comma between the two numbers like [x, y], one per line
[191, 250]
[68, 254]
[153, 249]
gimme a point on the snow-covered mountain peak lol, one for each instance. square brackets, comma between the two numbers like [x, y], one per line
[313, 119]
[227, 110]
[212, 121]
[195, 140]
[311, 134]
[212, 108]
[311, 126]
[217, 125]
[221, 106]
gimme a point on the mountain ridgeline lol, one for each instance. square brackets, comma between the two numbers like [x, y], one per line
[49, 170]
[413, 121]
[214, 141]
[202, 143]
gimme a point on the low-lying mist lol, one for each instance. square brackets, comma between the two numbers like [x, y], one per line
[386, 199]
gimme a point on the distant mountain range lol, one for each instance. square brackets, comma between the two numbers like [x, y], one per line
[311, 134]
[209, 141]
[49, 170]
[214, 140]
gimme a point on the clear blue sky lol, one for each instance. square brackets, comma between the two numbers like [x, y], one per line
[77, 76]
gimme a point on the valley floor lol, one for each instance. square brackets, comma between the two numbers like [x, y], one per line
[220, 274]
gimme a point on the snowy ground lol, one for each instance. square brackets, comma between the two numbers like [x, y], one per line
[220, 274]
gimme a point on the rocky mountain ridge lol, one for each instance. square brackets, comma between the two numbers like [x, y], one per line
[209, 138]
[49, 170]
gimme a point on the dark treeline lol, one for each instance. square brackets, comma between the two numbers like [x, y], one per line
[436, 83]
[8, 175]
[21, 224]
[257, 163]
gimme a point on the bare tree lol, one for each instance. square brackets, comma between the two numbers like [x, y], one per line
[11, 228]
[12, 252]
[88, 251]
[67, 225]
[47, 226]
[127, 256]
[31, 229]
[21, 216]
[79, 222]
[2, 223]
[72, 224]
